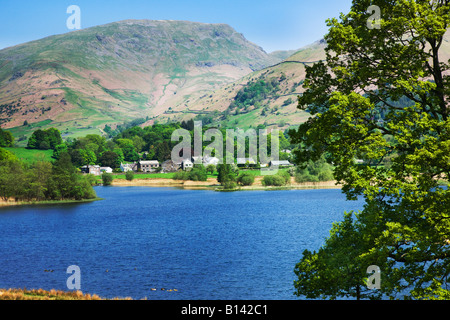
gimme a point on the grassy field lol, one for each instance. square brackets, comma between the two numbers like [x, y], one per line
[31, 155]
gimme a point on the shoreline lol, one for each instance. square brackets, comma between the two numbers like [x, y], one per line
[212, 184]
[12, 203]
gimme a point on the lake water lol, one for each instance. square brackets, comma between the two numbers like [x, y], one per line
[206, 244]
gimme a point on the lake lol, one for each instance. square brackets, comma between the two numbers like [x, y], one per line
[205, 244]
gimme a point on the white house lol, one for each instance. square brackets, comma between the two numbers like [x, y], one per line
[280, 163]
[210, 160]
[187, 164]
[124, 167]
[148, 166]
[91, 169]
[106, 169]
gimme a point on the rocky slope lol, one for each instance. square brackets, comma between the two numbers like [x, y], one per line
[85, 79]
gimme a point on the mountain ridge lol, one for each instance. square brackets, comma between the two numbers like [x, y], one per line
[122, 70]
[159, 70]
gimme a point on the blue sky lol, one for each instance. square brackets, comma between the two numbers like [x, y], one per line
[271, 24]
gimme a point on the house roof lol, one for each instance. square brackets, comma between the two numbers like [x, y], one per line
[245, 160]
[211, 160]
[91, 166]
[280, 162]
[128, 165]
[149, 162]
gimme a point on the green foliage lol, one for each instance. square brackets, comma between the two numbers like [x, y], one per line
[153, 142]
[324, 273]
[107, 178]
[198, 173]
[60, 148]
[88, 157]
[281, 178]
[227, 175]
[181, 175]
[246, 179]
[404, 227]
[6, 138]
[129, 175]
[44, 139]
[109, 159]
[43, 181]
[6, 155]
[229, 185]
[314, 171]
[256, 92]
[274, 180]
[210, 168]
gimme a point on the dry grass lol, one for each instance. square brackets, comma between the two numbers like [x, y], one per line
[40, 294]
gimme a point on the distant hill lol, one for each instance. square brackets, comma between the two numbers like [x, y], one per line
[267, 96]
[82, 80]
[152, 70]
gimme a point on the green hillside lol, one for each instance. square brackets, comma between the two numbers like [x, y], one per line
[31, 155]
[109, 74]
[267, 96]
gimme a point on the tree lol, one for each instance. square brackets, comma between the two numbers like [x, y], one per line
[107, 178]
[246, 179]
[210, 168]
[314, 171]
[227, 175]
[11, 176]
[53, 137]
[6, 138]
[39, 180]
[129, 153]
[43, 180]
[162, 151]
[273, 180]
[64, 180]
[109, 159]
[88, 157]
[7, 155]
[405, 224]
[59, 149]
[138, 143]
[44, 139]
[198, 173]
[129, 175]
[335, 269]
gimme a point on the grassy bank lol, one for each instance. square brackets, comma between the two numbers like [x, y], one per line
[39, 294]
[45, 202]
[213, 184]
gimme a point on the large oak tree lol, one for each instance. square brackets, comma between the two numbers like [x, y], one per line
[382, 93]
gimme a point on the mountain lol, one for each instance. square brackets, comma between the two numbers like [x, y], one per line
[267, 96]
[82, 80]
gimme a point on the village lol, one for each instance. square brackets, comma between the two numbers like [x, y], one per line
[170, 166]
